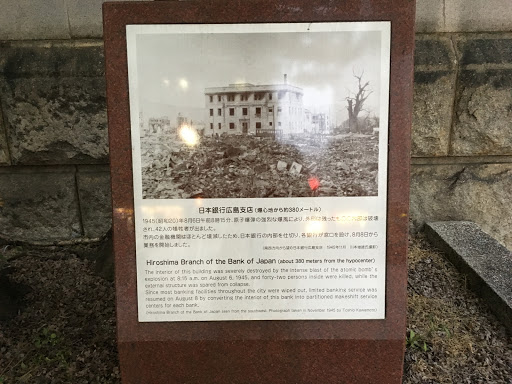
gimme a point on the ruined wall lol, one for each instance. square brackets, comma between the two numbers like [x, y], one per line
[54, 177]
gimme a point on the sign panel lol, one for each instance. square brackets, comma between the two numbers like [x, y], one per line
[260, 170]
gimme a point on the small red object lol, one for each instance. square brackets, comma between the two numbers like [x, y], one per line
[314, 183]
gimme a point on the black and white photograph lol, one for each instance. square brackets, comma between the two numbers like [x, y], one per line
[261, 112]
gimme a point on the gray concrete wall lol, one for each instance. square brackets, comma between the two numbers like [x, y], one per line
[75, 19]
[54, 178]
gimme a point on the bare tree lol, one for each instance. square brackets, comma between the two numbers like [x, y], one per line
[355, 103]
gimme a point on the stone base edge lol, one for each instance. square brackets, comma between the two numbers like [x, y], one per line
[486, 263]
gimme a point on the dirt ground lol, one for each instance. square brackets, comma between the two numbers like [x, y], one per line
[62, 327]
[249, 166]
[452, 337]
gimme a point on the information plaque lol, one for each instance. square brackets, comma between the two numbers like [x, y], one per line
[259, 170]
[259, 156]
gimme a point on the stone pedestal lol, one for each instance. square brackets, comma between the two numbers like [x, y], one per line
[341, 351]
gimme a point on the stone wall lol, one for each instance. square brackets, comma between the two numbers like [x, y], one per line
[54, 177]
[53, 141]
[462, 131]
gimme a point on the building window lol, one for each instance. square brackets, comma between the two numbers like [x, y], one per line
[279, 124]
[258, 111]
[244, 97]
[211, 125]
[270, 123]
[279, 110]
[231, 97]
[270, 96]
[270, 109]
[231, 125]
[244, 111]
[219, 111]
[219, 98]
[231, 111]
[258, 125]
[220, 126]
[211, 112]
[211, 99]
[259, 96]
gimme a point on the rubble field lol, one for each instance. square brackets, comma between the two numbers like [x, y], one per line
[236, 166]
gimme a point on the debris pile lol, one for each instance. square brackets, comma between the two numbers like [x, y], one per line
[253, 167]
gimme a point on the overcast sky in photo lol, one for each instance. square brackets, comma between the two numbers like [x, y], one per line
[174, 69]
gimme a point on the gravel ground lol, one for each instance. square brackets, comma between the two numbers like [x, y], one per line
[64, 330]
[455, 338]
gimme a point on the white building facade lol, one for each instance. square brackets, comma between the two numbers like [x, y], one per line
[320, 123]
[254, 109]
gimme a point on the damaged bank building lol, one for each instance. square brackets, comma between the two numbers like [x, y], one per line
[246, 108]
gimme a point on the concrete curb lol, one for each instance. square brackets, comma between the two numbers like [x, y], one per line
[486, 263]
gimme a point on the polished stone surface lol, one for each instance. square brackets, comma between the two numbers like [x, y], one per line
[260, 351]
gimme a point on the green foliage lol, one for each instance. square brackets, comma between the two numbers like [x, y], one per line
[49, 348]
[438, 329]
[434, 333]
[45, 338]
[414, 340]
